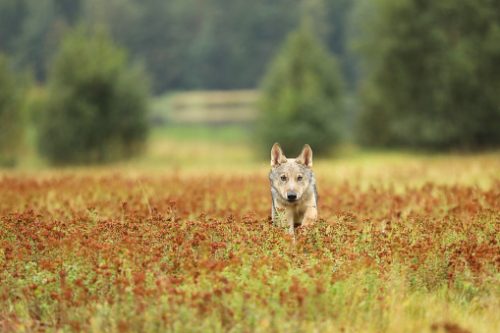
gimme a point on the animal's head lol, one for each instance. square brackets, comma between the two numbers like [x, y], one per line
[291, 177]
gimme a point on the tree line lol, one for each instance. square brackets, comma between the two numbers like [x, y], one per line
[184, 44]
[428, 74]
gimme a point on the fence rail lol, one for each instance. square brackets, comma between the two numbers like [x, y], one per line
[208, 107]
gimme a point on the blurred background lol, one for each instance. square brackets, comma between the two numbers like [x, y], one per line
[181, 82]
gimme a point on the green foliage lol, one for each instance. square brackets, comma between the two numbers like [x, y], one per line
[11, 12]
[11, 118]
[30, 31]
[330, 20]
[42, 25]
[340, 36]
[433, 74]
[212, 44]
[301, 97]
[97, 105]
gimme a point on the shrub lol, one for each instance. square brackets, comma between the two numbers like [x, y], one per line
[96, 108]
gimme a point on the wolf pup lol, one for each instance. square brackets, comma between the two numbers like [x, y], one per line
[293, 189]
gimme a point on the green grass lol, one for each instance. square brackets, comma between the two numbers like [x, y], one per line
[227, 134]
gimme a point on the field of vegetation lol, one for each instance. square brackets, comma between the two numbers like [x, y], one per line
[405, 244]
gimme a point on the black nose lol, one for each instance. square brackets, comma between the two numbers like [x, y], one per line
[291, 196]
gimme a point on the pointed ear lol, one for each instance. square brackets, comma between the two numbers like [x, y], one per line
[277, 156]
[306, 156]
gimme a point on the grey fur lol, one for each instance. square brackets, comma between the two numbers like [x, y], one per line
[299, 206]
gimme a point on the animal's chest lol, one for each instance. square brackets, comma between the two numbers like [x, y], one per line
[295, 212]
[298, 213]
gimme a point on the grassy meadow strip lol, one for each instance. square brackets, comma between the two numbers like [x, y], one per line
[404, 244]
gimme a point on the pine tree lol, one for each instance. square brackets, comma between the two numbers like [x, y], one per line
[301, 97]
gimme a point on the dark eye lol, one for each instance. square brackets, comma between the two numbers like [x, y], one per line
[283, 178]
[299, 178]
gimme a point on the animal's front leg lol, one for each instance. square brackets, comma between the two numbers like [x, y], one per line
[288, 221]
[310, 216]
